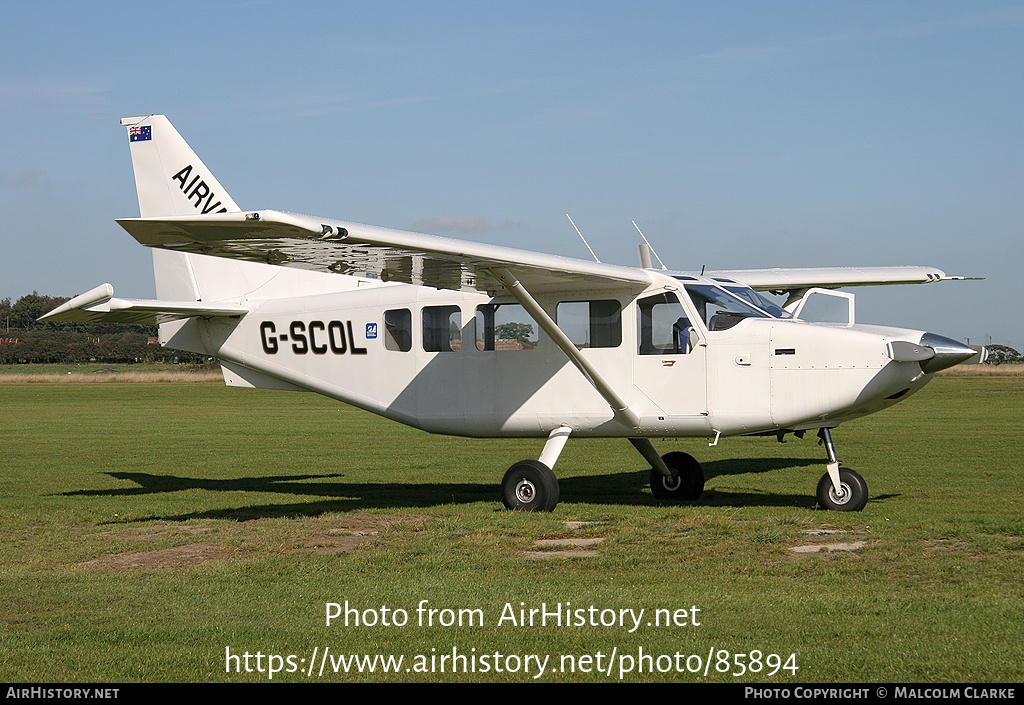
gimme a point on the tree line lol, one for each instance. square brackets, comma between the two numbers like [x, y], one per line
[23, 339]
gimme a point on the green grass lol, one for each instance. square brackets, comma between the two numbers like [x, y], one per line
[146, 528]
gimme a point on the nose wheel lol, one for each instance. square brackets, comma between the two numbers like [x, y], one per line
[851, 496]
[840, 489]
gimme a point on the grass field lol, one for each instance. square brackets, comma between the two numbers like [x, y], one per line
[149, 531]
[96, 373]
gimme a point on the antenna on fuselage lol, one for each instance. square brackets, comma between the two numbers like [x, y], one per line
[583, 238]
[649, 245]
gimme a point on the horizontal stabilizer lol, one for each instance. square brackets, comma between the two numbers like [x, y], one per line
[99, 305]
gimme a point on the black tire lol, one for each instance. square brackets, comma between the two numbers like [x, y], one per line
[689, 478]
[529, 486]
[853, 498]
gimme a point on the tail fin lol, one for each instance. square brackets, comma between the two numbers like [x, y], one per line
[172, 180]
[169, 177]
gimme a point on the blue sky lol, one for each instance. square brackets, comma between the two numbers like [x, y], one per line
[736, 134]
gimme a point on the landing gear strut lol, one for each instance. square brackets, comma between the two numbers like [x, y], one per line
[840, 489]
[676, 476]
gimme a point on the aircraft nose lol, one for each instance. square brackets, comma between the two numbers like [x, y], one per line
[948, 352]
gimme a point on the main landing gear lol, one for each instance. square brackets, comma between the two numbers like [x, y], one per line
[531, 485]
[674, 476]
[840, 488]
[686, 482]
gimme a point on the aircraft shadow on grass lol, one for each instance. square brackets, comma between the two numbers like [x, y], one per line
[339, 496]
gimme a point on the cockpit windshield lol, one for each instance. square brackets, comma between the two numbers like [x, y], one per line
[720, 309]
[759, 300]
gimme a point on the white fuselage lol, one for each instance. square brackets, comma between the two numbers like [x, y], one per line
[431, 359]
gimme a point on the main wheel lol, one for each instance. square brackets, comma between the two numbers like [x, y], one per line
[530, 486]
[689, 482]
[853, 494]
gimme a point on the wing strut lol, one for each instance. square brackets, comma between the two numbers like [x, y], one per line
[623, 413]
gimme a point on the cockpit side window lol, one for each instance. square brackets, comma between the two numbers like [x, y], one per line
[664, 326]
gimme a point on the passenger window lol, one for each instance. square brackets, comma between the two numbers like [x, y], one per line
[664, 326]
[442, 328]
[505, 327]
[398, 330]
[591, 324]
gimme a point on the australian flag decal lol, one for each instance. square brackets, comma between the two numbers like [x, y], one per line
[140, 134]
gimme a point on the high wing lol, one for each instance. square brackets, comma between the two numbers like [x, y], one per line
[99, 304]
[325, 245]
[831, 277]
[318, 244]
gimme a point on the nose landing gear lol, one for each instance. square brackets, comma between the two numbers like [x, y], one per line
[840, 489]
